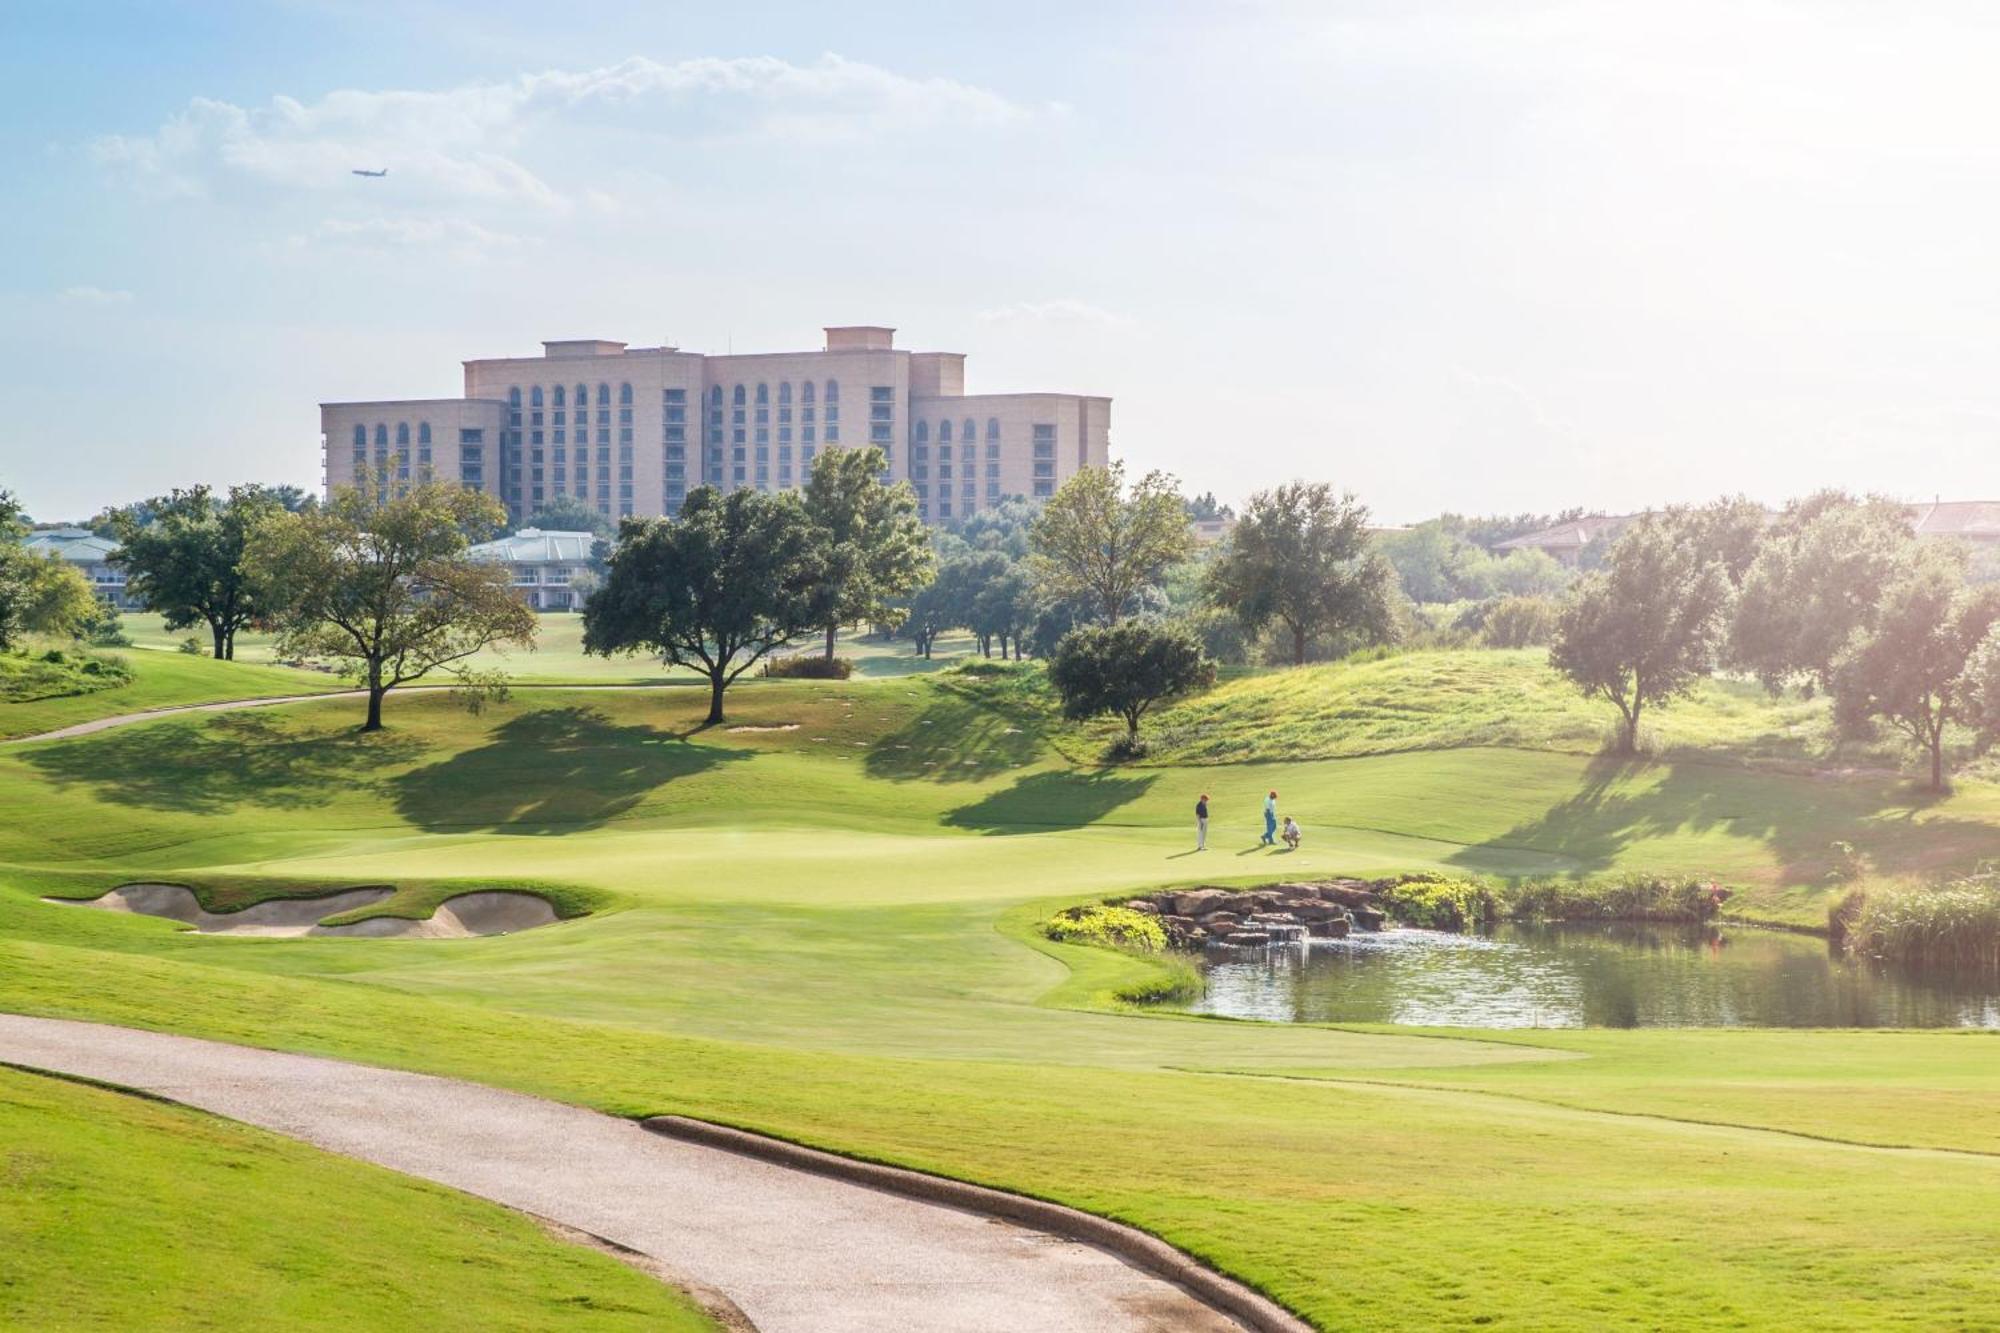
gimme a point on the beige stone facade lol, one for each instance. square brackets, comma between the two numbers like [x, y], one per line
[631, 430]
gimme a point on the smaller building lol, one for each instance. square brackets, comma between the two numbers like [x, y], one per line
[91, 555]
[547, 567]
[1566, 540]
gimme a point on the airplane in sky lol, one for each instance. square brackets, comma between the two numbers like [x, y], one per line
[383, 172]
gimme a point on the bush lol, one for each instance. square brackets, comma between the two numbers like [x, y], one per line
[1956, 923]
[809, 666]
[106, 630]
[1108, 927]
[1635, 897]
[58, 674]
[192, 647]
[1437, 902]
[1520, 622]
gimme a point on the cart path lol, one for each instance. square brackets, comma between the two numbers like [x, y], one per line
[798, 1252]
[267, 701]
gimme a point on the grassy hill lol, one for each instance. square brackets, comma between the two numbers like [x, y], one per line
[156, 680]
[817, 922]
[127, 1213]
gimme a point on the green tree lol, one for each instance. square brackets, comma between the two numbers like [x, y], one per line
[386, 585]
[1098, 544]
[39, 594]
[873, 546]
[1003, 604]
[1643, 629]
[570, 513]
[1300, 556]
[716, 588]
[1520, 622]
[1434, 564]
[1910, 666]
[183, 556]
[1817, 581]
[1126, 669]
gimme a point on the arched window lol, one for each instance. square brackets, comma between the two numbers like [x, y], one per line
[923, 432]
[559, 396]
[763, 395]
[514, 396]
[360, 436]
[833, 391]
[806, 393]
[715, 395]
[993, 428]
[402, 432]
[582, 398]
[625, 395]
[738, 396]
[944, 431]
[967, 434]
[604, 395]
[535, 396]
[784, 393]
[381, 436]
[423, 432]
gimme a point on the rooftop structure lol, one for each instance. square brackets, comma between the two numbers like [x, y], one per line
[91, 554]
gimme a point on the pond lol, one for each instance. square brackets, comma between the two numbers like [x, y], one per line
[1619, 975]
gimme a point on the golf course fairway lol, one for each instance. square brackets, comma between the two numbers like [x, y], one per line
[818, 921]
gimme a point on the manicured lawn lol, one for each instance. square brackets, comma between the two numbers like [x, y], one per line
[163, 680]
[124, 1213]
[558, 657]
[823, 928]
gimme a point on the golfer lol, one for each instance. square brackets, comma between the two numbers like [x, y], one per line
[1270, 838]
[1201, 823]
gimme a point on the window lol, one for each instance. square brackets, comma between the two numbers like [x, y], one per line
[715, 395]
[944, 432]
[514, 396]
[784, 393]
[674, 396]
[881, 393]
[381, 436]
[402, 434]
[582, 398]
[604, 395]
[625, 395]
[763, 394]
[423, 432]
[992, 450]
[472, 435]
[535, 396]
[739, 395]
[966, 433]
[993, 428]
[805, 434]
[833, 432]
[558, 399]
[806, 393]
[360, 436]
[923, 432]
[1044, 488]
[833, 391]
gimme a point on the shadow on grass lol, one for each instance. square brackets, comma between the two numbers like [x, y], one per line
[1047, 801]
[214, 765]
[550, 771]
[1623, 802]
[954, 740]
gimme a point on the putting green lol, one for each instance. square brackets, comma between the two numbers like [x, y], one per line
[824, 932]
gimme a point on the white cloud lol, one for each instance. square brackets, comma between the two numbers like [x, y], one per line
[1062, 310]
[472, 141]
[87, 295]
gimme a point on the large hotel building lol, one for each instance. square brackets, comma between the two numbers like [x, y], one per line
[631, 430]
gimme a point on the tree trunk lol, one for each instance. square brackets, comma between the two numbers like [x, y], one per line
[831, 631]
[1298, 645]
[715, 688]
[221, 640]
[1937, 759]
[375, 692]
[229, 646]
[1630, 743]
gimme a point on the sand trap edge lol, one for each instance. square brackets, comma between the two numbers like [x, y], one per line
[462, 916]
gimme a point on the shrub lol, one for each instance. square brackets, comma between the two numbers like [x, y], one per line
[58, 674]
[1437, 902]
[1520, 622]
[192, 647]
[1956, 923]
[1109, 927]
[809, 666]
[1634, 897]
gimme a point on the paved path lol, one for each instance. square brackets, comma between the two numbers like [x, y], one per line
[796, 1251]
[267, 701]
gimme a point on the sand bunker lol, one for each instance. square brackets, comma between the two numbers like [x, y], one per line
[468, 914]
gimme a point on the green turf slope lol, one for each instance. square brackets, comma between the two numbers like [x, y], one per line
[163, 680]
[818, 926]
[126, 1213]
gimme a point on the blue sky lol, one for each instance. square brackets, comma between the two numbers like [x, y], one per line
[1480, 256]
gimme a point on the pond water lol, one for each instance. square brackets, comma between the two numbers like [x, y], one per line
[1597, 975]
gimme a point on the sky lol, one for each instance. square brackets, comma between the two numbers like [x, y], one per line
[1479, 257]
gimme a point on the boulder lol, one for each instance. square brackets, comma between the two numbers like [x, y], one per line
[1223, 921]
[1366, 918]
[1146, 905]
[1273, 919]
[1244, 939]
[1330, 928]
[1317, 911]
[1196, 901]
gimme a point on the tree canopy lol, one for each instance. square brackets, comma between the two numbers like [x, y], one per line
[1643, 629]
[183, 556]
[41, 594]
[1126, 669]
[570, 513]
[873, 546]
[386, 585]
[1300, 555]
[716, 588]
[1096, 542]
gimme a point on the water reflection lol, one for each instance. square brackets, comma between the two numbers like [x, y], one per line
[1604, 975]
